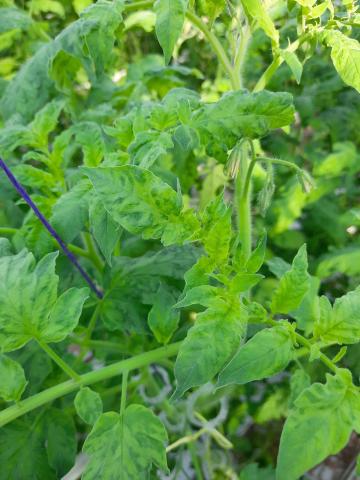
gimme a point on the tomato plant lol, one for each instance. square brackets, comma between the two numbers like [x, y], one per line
[179, 258]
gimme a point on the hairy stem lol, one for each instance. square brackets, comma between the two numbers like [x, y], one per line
[243, 202]
[124, 385]
[35, 401]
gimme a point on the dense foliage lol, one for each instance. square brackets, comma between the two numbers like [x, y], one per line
[179, 251]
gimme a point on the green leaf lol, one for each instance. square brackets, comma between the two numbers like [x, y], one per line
[170, 16]
[218, 237]
[13, 18]
[211, 341]
[88, 42]
[212, 8]
[88, 405]
[199, 273]
[345, 260]
[61, 441]
[244, 281]
[257, 256]
[5, 247]
[29, 304]
[241, 114]
[265, 354]
[257, 12]
[13, 381]
[75, 205]
[64, 315]
[299, 381]
[293, 63]
[148, 148]
[319, 425]
[45, 122]
[22, 445]
[293, 285]
[30, 176]
[254, 472]
[163, 319]
[205, 295]
[340, 324]
[307, 314]
[105, 230]
[345, 54]
[129, 444]
[37, 366]
[142, 203]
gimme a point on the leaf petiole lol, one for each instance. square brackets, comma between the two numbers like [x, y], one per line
[59, 361]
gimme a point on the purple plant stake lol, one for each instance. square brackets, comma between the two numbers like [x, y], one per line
[21, 190]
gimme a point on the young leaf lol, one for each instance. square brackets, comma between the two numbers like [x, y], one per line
[204, 295]
[170, 16]
[212, 340]
[72, 205]
[13, 381]
[345, 54]
[218, 237]
[268, 352]
[105, 230]
[63, 316]
[163, 319]
[257, 256]
[128, 444]
[293, 63]
[142, 203]
[244, 281]
[293, 285]
[257, 12]
[340, 324]
[212, 8]
[299, 381]
[88, 405]
[319, 425]
[29, 305]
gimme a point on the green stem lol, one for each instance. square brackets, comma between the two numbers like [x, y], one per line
[141, 5]
[138, 361]
[275, 64]
[307, 344]
[92, 324]
[79, 251]
[92, 252]
[217, 47]
[124, 384]
[101, 344]
[241, 53]
[268, 74]
[325, 360]
[243, 202]
[59, 361]
[8, 231]
[278, 161]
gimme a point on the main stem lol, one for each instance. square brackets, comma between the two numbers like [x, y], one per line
[243, 202]
[139, 361]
